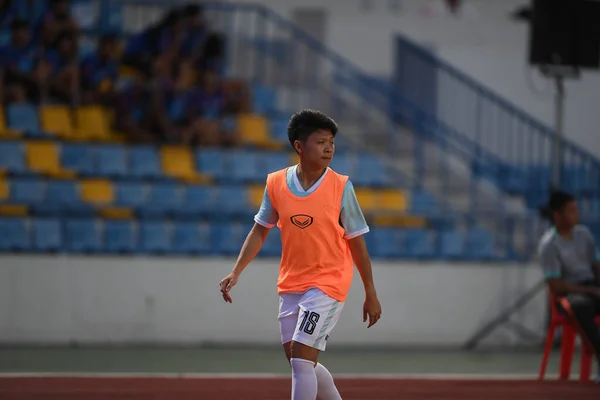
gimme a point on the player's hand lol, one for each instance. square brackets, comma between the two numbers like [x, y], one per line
[371, 309]
[226, 284]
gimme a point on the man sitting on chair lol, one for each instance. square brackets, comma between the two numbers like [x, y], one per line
[571, 264]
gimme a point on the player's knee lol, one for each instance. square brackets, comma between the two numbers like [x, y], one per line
[299, 350]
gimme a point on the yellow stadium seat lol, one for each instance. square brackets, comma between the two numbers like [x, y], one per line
[178, 162]
[116, 213]
[254, 130]
[5, 132]
[405, 221]
[3, 189]
[367, 199]
[94, 123]
[97, 191]
[43, 157]
[393, 200]
[256, 195]
[58, 120]
[295, 158]
[13, 210]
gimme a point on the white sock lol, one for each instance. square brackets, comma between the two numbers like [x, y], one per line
[327, 389]
[304, 379]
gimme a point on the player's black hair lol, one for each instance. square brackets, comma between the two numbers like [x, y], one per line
[558, 200]
[306, 122]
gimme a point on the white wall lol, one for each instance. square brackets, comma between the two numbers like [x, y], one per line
[58, 299]
[485, 44]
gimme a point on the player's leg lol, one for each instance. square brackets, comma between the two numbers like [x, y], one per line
[585, 308]
[318, 316]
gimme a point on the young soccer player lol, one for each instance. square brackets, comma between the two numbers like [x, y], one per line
[321, 227]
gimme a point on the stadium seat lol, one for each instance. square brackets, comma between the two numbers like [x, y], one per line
[422, 203]
[178, 163]
[271, 162]
[58, 120]
[47, 235]
[392, 200]
[213, 162]
[227, 239]
[111, 161]
[264, 99]
[255, 195]
[5, 132]
[254, 131]
[82, 236]
[272, 245]
[14, 235]
[98, 192]
[144, 162]
[368, 199]
[130, 194]
[4, 192]
[343, 164]
[154, 238]
[43, 158]
[246, 168]
[119, 237]
[278, 129]
[480, 244]
[232, 201]
[451, 245]
[78, 158]
[62, 198]
[27, 191]
[12, 158]
[387, 242]
[370, 171]
[191, 238]
[24, 117]
[199, 201]
[419, 243]
[164, 199]
[93, 122]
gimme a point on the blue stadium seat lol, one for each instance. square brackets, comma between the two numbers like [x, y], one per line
[191, 238]
[62, 197]
[419, 244]
[480, 244]
[154, 238]
[233, 201]
[47, 235]
[387, 242]
[119, 237]
[24, 117]
[14, 235]
[12, 157]
[264, 99]
[278, 127]
[422, 203]
[213, 162]
[77, 157]
[164, 200]
[343, 164]
[27, 191]
[144, 163]
[246, 166]
[82, 236]
[451, 245]
[272, 244]
[111, 161]
[227, 239]
[271, 162]
[130, 194]
[198, 201]
[370, 171]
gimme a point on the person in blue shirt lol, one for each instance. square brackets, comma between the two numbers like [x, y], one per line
[22, 64]
[100, 72]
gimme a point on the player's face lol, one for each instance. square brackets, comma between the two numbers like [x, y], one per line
[319, 148]
[569, 216]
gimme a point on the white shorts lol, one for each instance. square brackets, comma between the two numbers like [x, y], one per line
[308, 317]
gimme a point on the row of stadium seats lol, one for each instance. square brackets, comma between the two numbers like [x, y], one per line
[94, 123]
[62, 160]
[159, 237]
[23, 196]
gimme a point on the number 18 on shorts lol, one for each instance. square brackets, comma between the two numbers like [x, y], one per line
[308, 318]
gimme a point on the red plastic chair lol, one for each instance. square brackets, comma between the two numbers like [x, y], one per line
[570, 329]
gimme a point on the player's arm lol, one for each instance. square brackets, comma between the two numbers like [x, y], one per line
[264, 220]
[594, 255]
[353, 221]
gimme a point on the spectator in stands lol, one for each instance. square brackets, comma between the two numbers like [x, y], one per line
[56, 22]
[192, 47]
[64, 68]
[100, 72]
[133, 108]
[571, 265]
[24, 71]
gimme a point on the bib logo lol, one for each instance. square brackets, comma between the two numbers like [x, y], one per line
[302, 221]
